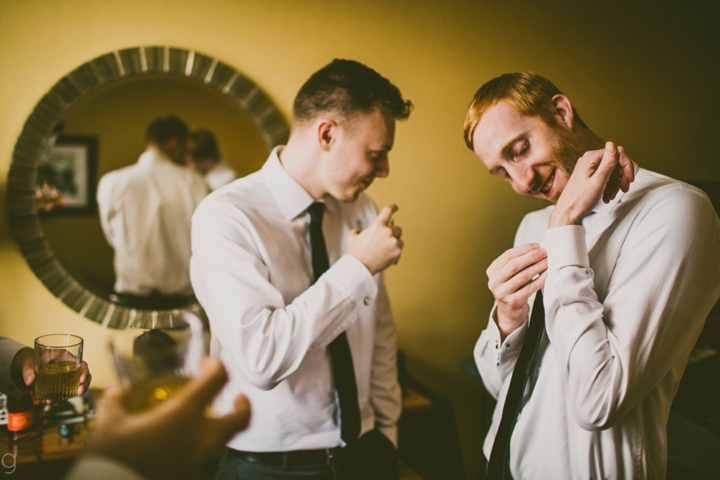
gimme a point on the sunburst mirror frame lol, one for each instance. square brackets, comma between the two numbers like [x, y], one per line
[36, 133]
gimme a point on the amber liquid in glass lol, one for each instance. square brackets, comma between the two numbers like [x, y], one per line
[57, 381]
[151, 392]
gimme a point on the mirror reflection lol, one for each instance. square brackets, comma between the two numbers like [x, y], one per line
[146, 214]
[117, 116]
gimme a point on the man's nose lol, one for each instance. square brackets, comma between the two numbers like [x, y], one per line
[524, 178]
[382, 169]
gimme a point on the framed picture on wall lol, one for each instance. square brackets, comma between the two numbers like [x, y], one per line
[66, 177]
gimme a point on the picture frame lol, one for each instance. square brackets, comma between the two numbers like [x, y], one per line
[67, 176]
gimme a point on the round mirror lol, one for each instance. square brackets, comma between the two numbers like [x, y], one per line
[101, 110]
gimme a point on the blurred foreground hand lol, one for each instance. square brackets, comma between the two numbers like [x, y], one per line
[174, 439]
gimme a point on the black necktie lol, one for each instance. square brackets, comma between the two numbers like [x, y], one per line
[340, 355]
[499, 464]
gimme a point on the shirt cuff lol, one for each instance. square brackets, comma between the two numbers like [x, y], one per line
[508, 349]
[566, 246]
[350, 272]
[92, 466]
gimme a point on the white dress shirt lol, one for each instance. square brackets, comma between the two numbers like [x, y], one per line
[626, 297]
[252, 272]
[220, 175]
[145, 212]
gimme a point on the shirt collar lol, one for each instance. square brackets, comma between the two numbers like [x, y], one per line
[291, 197]
[150, 157]
[601, 207]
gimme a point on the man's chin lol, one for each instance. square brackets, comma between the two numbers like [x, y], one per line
[540, 196]
[350, 197]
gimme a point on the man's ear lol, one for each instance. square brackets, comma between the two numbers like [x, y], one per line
[170, 146]
[563, 110]
[327, 131]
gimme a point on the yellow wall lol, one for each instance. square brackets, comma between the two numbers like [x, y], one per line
[644, 75]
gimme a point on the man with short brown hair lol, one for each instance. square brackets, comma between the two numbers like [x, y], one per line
[629, 265]
[288, 263]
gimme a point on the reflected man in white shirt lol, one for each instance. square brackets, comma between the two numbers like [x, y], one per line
[272, 323]
[629, 264]
[204, 157]
[145, 212]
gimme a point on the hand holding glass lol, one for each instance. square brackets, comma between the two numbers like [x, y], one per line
[58, 364]
[158, 360]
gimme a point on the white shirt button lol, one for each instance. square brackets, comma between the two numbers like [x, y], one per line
[366, 300]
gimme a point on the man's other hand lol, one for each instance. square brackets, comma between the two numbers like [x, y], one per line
[512, 278]
[598, 174]
[379, 245]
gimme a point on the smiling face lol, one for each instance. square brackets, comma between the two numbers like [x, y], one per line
[359, 154]
[534, 157]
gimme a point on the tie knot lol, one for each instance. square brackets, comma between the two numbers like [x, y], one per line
[316, 212]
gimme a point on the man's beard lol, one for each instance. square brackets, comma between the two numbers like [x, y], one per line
[564, 152]
[567, 150]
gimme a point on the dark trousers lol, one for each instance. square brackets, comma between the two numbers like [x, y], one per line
[372, 457]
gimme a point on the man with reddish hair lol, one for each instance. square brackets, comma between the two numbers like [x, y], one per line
[628, 262]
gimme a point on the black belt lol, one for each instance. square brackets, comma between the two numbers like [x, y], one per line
[326, 456]
[153, 301]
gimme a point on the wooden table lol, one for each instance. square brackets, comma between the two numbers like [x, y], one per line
[44, 452]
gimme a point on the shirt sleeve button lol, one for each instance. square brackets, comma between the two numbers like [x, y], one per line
[366, 300]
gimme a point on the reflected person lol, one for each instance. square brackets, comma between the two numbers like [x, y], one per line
[294, 289]
[145, 212]
[628, 262]
[204, 157]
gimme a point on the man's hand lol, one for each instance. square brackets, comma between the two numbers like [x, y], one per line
[512, 278]
[174, 439]
[26, 360]
[622, 176]
[598, 173]
[85, 379]
[379, 245]
[23, 367]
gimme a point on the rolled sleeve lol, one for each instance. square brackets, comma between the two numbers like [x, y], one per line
[566, 247]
